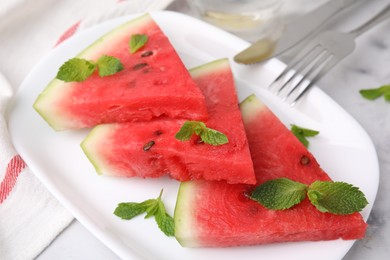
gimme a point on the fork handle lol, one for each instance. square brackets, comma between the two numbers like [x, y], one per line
[380, 17]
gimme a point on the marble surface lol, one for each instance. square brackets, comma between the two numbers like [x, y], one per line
[366, 67]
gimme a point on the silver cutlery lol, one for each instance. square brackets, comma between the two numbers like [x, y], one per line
[319, 56]
[297, 31]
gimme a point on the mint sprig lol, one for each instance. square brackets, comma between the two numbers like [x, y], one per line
[374, 93]
[207, 135]
[279, 194]
[153, 208]
[109, 65]
[338, 198]
[76, 69]
[137, 41]
[301, 133]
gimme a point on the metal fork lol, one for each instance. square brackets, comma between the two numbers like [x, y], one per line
[318, 57]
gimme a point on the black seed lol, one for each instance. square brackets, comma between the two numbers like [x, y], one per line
[158, 132]
[305, 160]
[148, 145]
[146, 54]
[139, 66]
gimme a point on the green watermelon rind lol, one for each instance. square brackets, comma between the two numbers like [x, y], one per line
[210, 67]
[182, 214]
[250, 107]
[88, 145]
[48, 95]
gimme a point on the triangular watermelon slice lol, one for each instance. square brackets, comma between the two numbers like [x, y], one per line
[154, 83]
[150, 149]
[216, 214]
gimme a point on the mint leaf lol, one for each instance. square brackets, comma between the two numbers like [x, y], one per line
[164, 221]
[153, 208]
[213, 137]
[188, 129]
[336, 197]
[137, 41]
[301, 133]
[387, 96]
[279, 194]
[374, 93]
[129, 210]
[76, 70]
[109, 65]
[207, 135]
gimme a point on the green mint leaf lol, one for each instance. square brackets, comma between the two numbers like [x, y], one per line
[301, 133]
[108, 65]
[213, 137]
[129, 210]
[207, 135]
[137, 41]
[279, 194]
[371, 94]
[374, 93]
[336, 197]
[150, 207]
[76, 70]
[164, 221]
[153, 208]
[188, 129]
[387, 96]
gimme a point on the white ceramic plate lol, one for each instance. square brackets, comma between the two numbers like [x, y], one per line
[343, 149]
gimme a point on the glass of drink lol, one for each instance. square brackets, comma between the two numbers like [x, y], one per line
[250, 19]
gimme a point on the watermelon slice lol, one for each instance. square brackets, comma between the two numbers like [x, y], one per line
[150, 149]
[154, 83]
[216, 214]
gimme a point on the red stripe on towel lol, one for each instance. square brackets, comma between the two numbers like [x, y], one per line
[14, 168]
[68, 33]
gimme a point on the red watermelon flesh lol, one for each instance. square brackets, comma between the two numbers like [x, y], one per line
[150, 149]
[154, 83]
[216, 214]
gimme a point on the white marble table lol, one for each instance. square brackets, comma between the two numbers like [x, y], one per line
[367, 67]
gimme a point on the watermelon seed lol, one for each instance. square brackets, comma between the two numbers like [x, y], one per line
[139, 66]
[146, 54]
[305, 160]
[148, 145]
[157, 133]
[146, 71]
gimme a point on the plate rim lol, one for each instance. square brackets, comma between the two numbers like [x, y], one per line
[120, 250]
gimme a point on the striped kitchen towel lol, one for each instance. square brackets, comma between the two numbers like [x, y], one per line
[30, 217]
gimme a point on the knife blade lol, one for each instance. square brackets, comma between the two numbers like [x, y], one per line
[297, 31]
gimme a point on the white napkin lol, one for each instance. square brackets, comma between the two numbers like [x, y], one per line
[30, 218]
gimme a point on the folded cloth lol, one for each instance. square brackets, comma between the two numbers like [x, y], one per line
[30, 218]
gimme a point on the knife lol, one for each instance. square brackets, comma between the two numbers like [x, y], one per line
[295, 32]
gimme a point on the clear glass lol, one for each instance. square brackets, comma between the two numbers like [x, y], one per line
[246, 18]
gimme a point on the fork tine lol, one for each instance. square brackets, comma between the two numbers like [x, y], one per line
[313, 71]
[298, 63]
[325, 69]
[306, 71]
